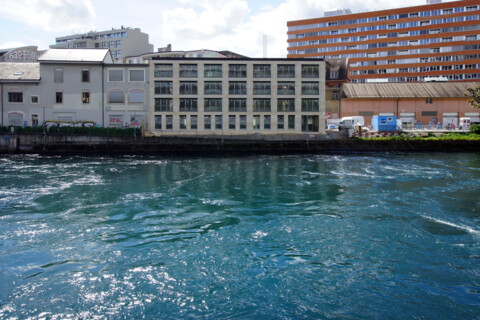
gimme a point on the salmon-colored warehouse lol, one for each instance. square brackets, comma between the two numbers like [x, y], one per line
[414, 103]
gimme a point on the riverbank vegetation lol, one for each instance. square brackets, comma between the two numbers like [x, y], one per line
[75, 130]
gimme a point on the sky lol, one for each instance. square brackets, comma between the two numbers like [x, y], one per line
[235, 25]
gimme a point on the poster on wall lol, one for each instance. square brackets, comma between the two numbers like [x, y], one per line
[136, 121]
[115, 120]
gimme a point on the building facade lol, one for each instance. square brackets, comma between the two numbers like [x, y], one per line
[237, 96]
[435, 104]
[127, 95]
[439, 40]
[121, 42]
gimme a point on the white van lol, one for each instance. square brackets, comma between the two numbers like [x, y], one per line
[351, 122]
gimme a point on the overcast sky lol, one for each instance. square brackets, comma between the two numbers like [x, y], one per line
[235, 25]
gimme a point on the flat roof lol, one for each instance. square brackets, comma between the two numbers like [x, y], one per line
[75, 55]
[239, 59]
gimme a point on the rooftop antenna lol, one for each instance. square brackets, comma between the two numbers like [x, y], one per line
[264, 45]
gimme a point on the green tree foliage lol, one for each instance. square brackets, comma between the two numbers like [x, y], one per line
[474, 93]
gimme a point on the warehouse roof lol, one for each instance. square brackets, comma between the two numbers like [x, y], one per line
[407, 90]
[19, 71]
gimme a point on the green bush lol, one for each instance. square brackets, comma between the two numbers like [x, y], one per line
[475, 128]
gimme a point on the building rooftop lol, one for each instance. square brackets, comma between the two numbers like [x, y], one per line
[76, 55]
[19, 71]
[407, 90]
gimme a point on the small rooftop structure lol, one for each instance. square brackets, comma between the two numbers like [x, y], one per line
[76, 55]
[407, 90]
[19, 71]
[338, 12]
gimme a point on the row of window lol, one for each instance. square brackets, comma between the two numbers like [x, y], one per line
[427, 13]
[416, 60]
[235, 105]
[416, 69]
[402, 25]
[114, 96]
[235, 71]
[388, 35]
[309, 123]
[114, 75]
[386, 52]
[236, 87]
[450, 77]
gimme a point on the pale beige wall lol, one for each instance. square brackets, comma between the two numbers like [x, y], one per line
[225, 97]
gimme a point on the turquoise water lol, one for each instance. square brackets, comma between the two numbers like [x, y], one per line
[257, 237]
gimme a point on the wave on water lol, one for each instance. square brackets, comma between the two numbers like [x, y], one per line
[454, 225]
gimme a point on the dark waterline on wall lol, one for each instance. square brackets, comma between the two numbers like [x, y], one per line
[253, 237]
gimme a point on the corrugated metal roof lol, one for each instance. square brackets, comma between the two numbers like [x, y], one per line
[19, 71]
[75, 55]
[407, 90]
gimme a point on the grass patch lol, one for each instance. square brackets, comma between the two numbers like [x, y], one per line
[451, 136]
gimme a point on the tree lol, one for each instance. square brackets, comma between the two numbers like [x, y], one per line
[474, 93]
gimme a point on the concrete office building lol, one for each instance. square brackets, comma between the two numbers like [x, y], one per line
[237, 96]
[432, 41]
[121, 42]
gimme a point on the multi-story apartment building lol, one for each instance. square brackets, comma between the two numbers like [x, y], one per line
[439, 40]
[121, 42]
[237, 96]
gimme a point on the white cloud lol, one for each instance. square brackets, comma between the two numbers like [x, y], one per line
[50, 15]
[213, 19]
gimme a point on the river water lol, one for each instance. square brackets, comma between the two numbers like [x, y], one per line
[254, 237]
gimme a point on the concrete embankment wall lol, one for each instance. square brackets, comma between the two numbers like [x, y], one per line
[51, 144]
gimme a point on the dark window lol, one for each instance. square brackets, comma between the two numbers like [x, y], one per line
[212, 105]
[284, 88]
[262, 71]
[188, 71]
[237, 105]
[286, 71]
[188, 87]
[193, 122]
[58, 75]
[218, 122]
[163, 87]
[85, 97]
[169, 122]
[267, 122]
[310, 88]
[261, 105]
[163, 71]
[237, 70]
[213, 71]
[231, 122]
[162, 104]
[291, 122]
[243, 122]
[280, 122]
[286, 105]
[158, 122]
[310, 105]
[188, 105]
[310, 123]
[15, 97]
[213, 87]
[183, 122]
[58, 97]
[85, 75]
[237, 87]
[310, 71]
[261, 88]
[207, 122]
